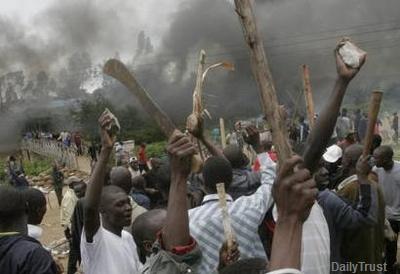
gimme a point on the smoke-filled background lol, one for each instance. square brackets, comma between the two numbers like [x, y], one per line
[51, 53]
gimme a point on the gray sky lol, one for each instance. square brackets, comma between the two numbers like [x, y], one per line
[40, 34]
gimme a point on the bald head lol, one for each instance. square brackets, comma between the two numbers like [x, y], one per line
[145, 229]
[109, 194]
[148, 224]
[121, 177]
[384, 157]
[385, 151]
[351, 156]
[235, 156]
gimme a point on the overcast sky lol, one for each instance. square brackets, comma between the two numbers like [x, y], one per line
[40, 34]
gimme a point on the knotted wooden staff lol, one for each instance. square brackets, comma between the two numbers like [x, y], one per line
[308, 95]
[199, 112]
[226, 220]
[263, 77]
[374, 106]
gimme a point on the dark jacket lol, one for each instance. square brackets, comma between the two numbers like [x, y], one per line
[244, 182]
[141, 198]
[24, 255]
[365, 244]
[341, 216]
[76, 231]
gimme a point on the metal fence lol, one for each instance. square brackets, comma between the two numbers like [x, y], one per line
[54, 150]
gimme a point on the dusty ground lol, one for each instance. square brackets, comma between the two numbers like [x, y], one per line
[52, 230]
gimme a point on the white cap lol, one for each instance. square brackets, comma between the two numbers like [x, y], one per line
[332, 154]
[132, 159]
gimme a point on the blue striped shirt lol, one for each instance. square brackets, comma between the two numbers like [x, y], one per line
[247, 213]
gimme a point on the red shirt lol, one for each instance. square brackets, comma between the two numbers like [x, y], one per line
[142, 159]
[272, 155]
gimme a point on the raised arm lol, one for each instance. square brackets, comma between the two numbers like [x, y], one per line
[176, 230]
[96, 182]
[325, 124]
[199, 134]
[294, 193]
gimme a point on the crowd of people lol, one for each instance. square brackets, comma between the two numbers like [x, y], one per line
[335, 209]
[64, 138]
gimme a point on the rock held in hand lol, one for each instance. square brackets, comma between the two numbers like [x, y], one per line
[350, 53]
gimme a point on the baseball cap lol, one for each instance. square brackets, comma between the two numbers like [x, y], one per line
[132, 159]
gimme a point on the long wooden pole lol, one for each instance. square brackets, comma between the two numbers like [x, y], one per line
[262, 75]
[222, 131]
[374, 105]
[308, 95]
[226, 220]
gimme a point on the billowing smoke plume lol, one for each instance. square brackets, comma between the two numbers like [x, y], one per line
[160, 40]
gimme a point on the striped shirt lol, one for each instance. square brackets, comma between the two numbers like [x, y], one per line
[247, 213]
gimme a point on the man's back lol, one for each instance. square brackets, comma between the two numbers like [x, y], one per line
[390, 183]
[24, 255]
[363, 244]
[343, 126]
[246, 213]
[207, 228]
[142, 158]
[244, 182]
[67, 207]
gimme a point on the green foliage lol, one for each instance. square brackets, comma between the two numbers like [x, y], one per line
[396, 155]
[3, 174]
[36, 166]
[88, 114]
[44, 123]
[156, 149]
[133, 126]
[143, 134]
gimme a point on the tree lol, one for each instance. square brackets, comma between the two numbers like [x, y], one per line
[141, 43]
[74, 75]
[87, 115]
[133, 126]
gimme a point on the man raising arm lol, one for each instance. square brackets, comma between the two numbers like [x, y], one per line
[105, 247]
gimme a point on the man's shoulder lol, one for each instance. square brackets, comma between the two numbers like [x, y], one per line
[127, 236]
[196, 214]
[25, 246]
[350, 183]
[397, 166]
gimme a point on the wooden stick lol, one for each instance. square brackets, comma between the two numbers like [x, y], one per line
[308, 95]
[117, 70]
[374, 105]
[262, 75]
[198, 91]
[226, 220]
[222, 132]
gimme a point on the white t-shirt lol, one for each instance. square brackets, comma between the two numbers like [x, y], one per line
[109, 253]
[35, 231]
[315, 242]
[390, 183]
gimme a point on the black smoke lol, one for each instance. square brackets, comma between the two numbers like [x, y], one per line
[164, 57]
